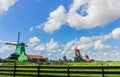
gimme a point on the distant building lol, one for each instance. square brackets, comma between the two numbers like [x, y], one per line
[35, 58]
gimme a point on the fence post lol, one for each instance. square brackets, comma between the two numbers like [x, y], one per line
[38, 69]
[68, 71]
[14, 69]
[102, 70]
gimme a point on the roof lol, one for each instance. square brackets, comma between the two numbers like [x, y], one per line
[35, 57]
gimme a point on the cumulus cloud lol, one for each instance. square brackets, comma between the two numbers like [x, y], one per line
[83, 14]
[5, 5]
[55, 20]
[99, 12]
[85, 40]
[52, 46]
[98, 45]
[116, 33]
[111, 55]
[6, 48]
[69, 48]
[39, 48]
[33, 41]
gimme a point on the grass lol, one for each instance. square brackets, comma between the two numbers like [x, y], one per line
[94, 63]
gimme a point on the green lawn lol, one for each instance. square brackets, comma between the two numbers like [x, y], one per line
[94, 63]
[69, 63]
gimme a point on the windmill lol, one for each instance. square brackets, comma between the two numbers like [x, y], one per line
[19, 53]
[78, 57]
[87, 58]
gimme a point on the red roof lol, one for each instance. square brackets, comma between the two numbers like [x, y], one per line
[35, 57]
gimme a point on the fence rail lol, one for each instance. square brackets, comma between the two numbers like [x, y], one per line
[59, 71]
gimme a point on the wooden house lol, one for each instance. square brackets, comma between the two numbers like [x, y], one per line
[35, 58]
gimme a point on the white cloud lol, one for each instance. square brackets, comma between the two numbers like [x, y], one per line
[6, 48]
[34, 40]
[40, 26]
[69, 48]
[98, 13]
[49, 49]
[94, 41]
[5, 5]
[116, 33]
[107, 55]
[52, 46]
[40, 48]
[98, 45]
[31, 29]
[2, 41]
[85, 40]
[49, 54]
[55, 20]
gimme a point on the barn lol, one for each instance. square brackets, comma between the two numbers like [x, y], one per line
[35, 58]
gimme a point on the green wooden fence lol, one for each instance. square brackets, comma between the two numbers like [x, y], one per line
[59, 71]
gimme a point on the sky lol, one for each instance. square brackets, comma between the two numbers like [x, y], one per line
[52, 28]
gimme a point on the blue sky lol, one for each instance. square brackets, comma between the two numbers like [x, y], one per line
[52, 28]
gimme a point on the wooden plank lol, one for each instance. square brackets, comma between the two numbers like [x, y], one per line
[26, 71]
[85, 72]
[113, 72]
[26, 66]
[56, 67]
[9, 70]
[6, 66]
[53, 71]
[26, 75]
[6, 74]
[51, 76]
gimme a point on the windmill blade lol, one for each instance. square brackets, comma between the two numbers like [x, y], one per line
[10, 44]
[18, 37]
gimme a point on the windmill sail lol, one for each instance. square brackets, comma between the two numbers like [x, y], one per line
[18, 37]
[10, 44]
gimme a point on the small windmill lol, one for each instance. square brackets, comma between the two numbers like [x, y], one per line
[19, 53]
[87, 58]
[78, 57]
